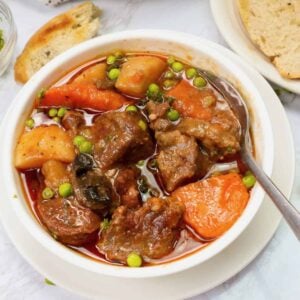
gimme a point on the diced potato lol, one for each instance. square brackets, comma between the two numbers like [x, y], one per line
[92, 74]
[43, 143]
[137, 73]
[55, 173]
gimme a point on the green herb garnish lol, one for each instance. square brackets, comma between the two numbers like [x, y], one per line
[49, 282]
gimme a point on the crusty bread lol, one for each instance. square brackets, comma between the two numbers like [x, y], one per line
[274, 26]
[59, 34]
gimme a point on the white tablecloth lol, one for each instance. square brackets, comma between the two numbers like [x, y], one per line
[274, 274]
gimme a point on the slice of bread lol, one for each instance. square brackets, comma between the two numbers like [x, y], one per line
[59, 34]
[274, 26]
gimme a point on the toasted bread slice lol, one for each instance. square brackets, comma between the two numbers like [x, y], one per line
[274, 26]
[59, 34]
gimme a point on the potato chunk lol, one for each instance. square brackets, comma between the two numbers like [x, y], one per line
[92, 74]
[41, 144]
[137, 73]
[55, 173]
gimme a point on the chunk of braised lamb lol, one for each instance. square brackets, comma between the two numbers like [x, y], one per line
[221, 136]
[118, 136]
[67, 221]
[179, 159]
[73, 121]
[151, 231]
[127, 188]
[157, 115]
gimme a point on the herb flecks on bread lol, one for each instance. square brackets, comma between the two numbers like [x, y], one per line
[59, 34]
[274, 26]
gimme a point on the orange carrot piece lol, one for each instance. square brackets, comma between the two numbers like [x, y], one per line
[213, 205]
[77, 95]
[188, 101]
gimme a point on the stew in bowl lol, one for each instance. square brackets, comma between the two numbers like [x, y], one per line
[133, 159]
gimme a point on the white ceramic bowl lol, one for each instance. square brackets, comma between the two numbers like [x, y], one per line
[196, 51]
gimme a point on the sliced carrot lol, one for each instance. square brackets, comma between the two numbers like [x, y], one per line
[214, 204]
[78, 95]
[189, 100]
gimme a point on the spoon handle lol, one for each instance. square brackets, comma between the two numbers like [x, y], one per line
[289, 212]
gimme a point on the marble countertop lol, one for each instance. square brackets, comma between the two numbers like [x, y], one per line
[275, 273]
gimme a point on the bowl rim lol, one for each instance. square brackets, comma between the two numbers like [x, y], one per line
[43, 237]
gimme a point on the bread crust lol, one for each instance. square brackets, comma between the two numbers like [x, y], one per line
[74, 26]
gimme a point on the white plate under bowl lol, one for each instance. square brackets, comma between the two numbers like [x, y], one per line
[195, 280]
[227, 18]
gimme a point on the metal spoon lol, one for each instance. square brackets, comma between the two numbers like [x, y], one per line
[238, 106]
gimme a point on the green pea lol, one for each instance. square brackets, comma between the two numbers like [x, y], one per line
[249, 180]
[142, 124]
[153, 89]
[190, 73]
[173, 115]
[170, 60]
[56, 119]
[113, 74]
[65, 190]
[169, 75]
[52, 112]
[131, 108]
[30, 123]
[134, 260]
[168, 83]
[86, 147]
[47, 193]
[61, 112]
[41, 93]
[111, 59]
[78, 140]
[199, 82]
[177, 66]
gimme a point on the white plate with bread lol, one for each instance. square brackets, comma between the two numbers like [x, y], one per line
[266, 34]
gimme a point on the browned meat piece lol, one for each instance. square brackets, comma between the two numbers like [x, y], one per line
[157, 110]
[117, 137]
[221, 135]
[150, 231]
[157, 115]
[67, 221]
[179, 159]
[127, 188]
[73, 121]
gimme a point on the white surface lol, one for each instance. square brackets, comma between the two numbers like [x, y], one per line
[182, 285]
[227, 18]
[275, 274]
